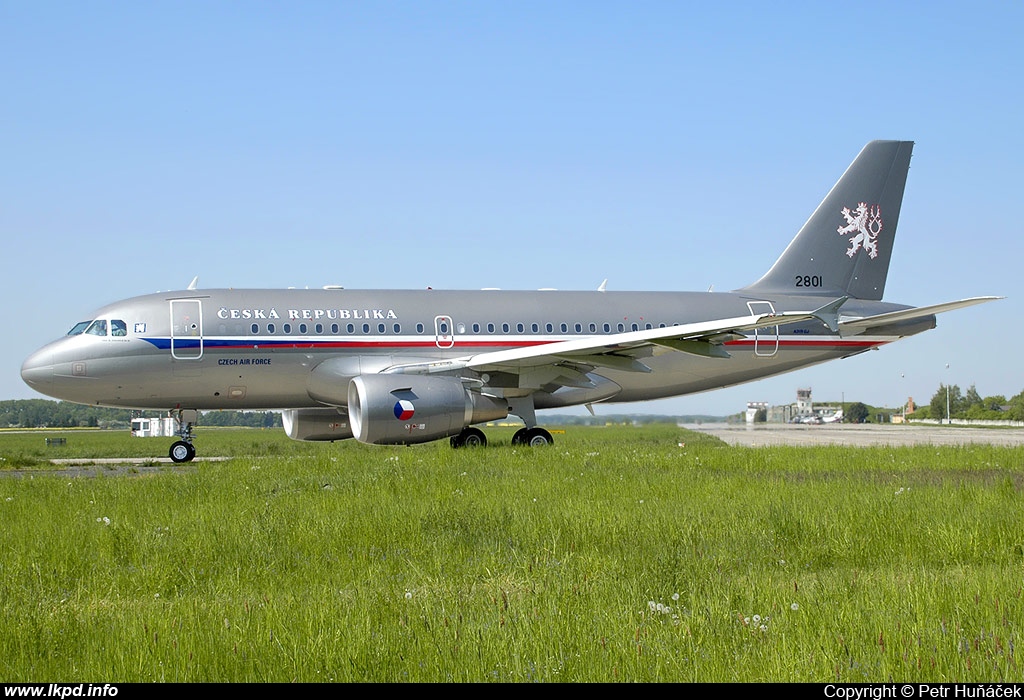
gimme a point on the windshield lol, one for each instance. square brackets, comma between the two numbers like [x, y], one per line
[100, 326]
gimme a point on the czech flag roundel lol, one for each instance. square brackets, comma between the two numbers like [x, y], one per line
[404, 410]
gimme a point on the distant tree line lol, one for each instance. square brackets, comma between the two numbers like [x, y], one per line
[961, 406]
[970, 405]
[42, 413]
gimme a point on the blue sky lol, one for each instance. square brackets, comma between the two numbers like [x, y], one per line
[658, 145]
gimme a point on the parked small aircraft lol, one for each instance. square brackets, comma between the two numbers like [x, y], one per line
[411, 366]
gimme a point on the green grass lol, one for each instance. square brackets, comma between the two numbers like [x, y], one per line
[616, 555]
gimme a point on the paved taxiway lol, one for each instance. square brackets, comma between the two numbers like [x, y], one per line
[858, 435]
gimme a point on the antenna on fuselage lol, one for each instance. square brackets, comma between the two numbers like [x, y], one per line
[194, 283]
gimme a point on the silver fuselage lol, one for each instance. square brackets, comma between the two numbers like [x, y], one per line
[260, 349]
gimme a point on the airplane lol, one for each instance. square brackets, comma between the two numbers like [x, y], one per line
[836, 417]
[401, 367]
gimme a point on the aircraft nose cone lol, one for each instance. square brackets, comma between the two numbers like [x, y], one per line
[37, 371]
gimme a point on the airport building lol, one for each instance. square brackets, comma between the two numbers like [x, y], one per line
[803, 410]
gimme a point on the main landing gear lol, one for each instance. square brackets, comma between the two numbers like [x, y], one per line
[530, 437]
[183, 450]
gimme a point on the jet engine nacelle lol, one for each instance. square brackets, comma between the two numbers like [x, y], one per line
[316, 424]
[397, 409]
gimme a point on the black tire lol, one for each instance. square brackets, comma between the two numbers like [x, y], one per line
[182, 451]
[469, 437]
[538, 437]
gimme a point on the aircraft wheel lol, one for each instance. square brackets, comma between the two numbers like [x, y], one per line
[519, 438]
[537, 437]
[182, 451]
[469, 437]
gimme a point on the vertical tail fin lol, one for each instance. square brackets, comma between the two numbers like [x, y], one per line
[845, 247]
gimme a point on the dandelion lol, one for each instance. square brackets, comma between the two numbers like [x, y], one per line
[105, 520]
[408, 595]
[675, 596]
[794, 607]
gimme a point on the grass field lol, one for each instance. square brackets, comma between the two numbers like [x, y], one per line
[620, 554]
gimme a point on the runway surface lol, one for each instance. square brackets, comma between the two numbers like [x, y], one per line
[861, 435]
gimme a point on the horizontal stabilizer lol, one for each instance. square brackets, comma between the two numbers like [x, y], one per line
[859, 325]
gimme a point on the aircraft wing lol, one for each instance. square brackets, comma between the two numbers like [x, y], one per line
[853, 326]
[622, 350]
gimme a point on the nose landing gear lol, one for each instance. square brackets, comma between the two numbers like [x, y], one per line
[183, 450]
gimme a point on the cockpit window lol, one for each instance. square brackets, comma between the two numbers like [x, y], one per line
[118, 328]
